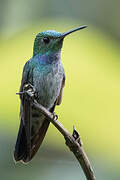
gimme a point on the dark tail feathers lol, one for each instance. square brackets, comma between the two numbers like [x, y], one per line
[21, 144]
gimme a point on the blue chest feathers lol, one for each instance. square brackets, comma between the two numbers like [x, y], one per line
[47, 79]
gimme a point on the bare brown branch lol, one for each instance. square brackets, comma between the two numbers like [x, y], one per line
[72, 141]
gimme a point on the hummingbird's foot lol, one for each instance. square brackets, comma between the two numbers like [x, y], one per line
[55, 116]
[30, 89]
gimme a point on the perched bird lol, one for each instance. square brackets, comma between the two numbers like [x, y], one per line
[45, 73]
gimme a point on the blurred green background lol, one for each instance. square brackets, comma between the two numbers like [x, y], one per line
[91, 99]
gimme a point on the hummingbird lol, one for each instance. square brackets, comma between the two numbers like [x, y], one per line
[45, 73]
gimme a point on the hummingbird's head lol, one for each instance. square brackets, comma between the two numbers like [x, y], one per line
[47, 41]
[50, 41]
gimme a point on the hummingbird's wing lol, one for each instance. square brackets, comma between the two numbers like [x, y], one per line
[59, 99]
[23, 140]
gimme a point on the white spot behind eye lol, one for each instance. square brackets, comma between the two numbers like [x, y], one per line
[46, 40]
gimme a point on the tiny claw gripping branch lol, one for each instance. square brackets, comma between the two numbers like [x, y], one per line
[55, 116]
[30, 90]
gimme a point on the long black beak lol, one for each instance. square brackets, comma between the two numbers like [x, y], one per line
[73, 30]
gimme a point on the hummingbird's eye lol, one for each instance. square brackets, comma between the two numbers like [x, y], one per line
[46, 40]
